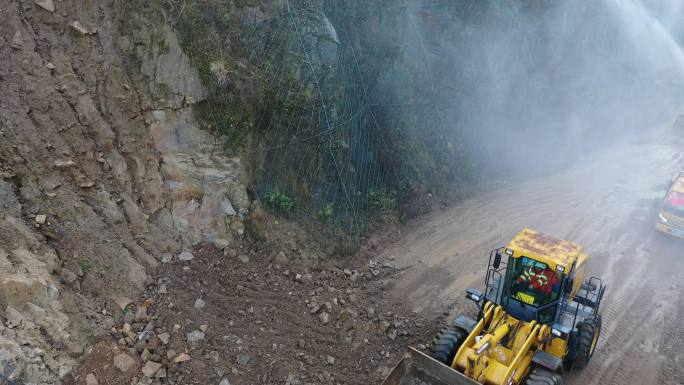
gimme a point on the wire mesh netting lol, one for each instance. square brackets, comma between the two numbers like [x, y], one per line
[319, 144]
[324, 146]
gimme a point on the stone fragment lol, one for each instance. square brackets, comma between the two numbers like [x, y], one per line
[124, 362]
[129, 317]
[166, 257]
[141, 314]
[213, 355]
[186, 256]
[63, 164]
[48, 5]
[181, 358]
[91, 379]
[53, 292]
[161, 373]
[164, 338]
[122, 302]
[41, 219]
[128, 331]
[86, 184]
[78, 27]
[281, 258]
[221, 243]
[151, 368]
[194, 336]
[199, 303]
[69, 278]
[17, 42]
[345, 315]
[243, 359]
[228, 208]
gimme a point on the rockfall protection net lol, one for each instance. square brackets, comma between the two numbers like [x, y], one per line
[320, 147]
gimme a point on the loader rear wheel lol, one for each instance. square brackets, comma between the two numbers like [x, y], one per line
[588, 335]
[540, 376]
[446, 344]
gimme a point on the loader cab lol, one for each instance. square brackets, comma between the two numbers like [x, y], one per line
[534, 276]
[532, 290]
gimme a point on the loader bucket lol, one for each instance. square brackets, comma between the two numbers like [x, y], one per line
[416, 368]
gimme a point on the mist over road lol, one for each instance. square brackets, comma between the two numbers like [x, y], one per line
[606, 202]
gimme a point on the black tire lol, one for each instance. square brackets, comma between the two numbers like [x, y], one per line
[446, 344]
[540, 376]
[588, 333]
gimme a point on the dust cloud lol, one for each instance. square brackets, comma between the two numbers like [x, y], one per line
[527, 86]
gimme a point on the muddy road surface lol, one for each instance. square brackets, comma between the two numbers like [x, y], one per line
[607, 202]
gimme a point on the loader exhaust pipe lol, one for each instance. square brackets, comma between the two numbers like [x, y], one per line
[416, 368]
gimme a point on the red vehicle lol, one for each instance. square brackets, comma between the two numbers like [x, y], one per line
[671, 216]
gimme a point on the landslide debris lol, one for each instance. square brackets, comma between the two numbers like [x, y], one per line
[264, 321]
[101, 180]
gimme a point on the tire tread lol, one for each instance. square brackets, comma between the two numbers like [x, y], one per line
[446, 344]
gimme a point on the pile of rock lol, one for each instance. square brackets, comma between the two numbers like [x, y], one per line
[156, 354]
[337, 303]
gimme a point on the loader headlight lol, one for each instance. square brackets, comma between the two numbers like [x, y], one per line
[560, 331]
[662, 218]
[474, 295]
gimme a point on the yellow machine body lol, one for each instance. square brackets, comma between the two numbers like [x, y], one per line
[501, 349]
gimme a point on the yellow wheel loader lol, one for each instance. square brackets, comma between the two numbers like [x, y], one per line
[537, 317]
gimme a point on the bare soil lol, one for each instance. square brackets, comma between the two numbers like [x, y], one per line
[264, 312]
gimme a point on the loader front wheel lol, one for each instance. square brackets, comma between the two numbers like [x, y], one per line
[588, 335]
[539, 376]
[446, 344]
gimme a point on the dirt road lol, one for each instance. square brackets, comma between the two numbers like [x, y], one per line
[606, 202]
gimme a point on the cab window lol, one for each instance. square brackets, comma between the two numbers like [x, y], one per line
[533, 282]
[674, 204]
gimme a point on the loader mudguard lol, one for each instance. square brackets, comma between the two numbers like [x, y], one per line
[464, 322]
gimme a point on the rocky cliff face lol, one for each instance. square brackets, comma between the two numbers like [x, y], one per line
[103, 175]
[207, 202]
